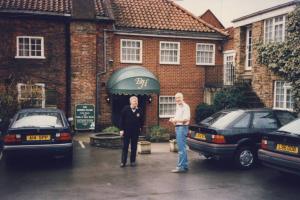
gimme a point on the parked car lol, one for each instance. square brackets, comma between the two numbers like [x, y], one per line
[281, 149]
[38, 131]
[236, 134]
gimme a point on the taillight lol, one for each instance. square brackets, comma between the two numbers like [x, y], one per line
[264, 144]
[218, 139]
[63, 136]
[12, 138]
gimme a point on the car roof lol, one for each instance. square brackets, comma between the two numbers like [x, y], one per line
[40, 110]
[251, 109]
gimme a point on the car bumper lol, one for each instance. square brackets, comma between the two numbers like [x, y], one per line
[279, 161]
[37, 149]
[215, 150]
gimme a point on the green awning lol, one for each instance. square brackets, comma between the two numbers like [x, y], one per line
[134, 80]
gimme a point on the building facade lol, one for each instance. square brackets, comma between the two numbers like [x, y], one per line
[65, 53]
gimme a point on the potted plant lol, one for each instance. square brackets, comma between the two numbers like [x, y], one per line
[144, 147]
[173, 145]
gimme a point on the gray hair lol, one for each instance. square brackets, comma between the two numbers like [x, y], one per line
[179, 94]
[132, 98]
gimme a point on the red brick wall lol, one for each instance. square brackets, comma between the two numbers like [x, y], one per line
[186, 77]
[50, 71]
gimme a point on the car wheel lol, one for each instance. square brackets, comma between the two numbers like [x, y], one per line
[245, 158]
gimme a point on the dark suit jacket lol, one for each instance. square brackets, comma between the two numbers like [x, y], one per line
[131, 122]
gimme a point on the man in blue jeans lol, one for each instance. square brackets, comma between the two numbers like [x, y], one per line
[181, 122]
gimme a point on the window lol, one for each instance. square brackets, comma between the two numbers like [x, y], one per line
[205, 54]
[34, 94]
[229, 60]
[283, 96]
[244, 122]
[167, 106]
[275, 29]
[248, 48]
[30, 47]
[284, 117]
[264, 120]
[169, 53]
[38, 119]
[131, 51]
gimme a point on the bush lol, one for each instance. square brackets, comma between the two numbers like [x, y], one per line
[8, 107]
[158, 134]
[111, 129]
[233, 97]
[203, 111]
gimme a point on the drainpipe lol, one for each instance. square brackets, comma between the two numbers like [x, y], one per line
[68, 69]
[97, 107]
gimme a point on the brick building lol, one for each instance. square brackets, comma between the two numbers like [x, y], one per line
[64, 53]
[264, 26]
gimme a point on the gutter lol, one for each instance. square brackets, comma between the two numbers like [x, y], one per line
[68, 70]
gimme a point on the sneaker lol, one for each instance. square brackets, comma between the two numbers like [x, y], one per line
[133, 164]
[177, 170]
[122, 165]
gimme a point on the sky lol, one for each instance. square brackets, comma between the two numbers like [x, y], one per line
[227, 10]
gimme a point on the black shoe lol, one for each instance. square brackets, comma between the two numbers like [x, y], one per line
[122, 165]
[133, 164]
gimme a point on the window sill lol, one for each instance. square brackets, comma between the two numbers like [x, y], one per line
[169, 63]
[205, 64]
[130, 62]
[165, 116]
[30, 57]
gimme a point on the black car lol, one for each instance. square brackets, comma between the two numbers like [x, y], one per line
[38, 131]
[281, 149]
[236, 134]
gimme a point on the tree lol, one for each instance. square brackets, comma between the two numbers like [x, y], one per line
[284, 58]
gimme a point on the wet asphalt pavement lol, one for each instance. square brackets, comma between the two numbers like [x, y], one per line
[95, 174]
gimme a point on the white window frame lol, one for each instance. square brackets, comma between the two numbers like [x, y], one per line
[141, 51]
[178, 53]
[273, 28]
[19, 85]
[159, 106]
[42, 56]
[247, 66]
[286, 86]
[226, 54]
[213, 57]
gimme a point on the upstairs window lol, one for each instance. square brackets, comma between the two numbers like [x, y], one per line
[275, 29]
[30, 47]
[205, 54]
[249, 48]
[131, 51]
[169, 53]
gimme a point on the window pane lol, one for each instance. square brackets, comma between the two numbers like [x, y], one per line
[264, 120]
[244, 122]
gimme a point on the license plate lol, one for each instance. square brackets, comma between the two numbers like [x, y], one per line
[38, 137]
[200, 136]
[287, 148]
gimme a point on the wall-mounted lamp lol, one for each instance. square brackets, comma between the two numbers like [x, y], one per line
[149, 99]
[107, 99]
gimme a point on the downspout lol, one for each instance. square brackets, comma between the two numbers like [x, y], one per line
[97, 107]
[68, 69]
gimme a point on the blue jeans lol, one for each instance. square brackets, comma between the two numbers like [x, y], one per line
[181, 134]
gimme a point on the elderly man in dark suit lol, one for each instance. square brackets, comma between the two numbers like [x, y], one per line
[131, 124]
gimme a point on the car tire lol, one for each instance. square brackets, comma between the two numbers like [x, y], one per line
[245, 158]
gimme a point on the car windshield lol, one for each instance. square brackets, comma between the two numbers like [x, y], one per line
[213, 118]
[225, 120]
[293, 127]
[38, 120]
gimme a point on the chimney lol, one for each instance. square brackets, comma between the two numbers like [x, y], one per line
[83, 9]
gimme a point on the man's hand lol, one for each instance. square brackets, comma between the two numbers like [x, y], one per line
[121, 133]
[172, 120]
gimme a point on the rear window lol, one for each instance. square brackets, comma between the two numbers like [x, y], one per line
[285, 117]
[293, 127]
[213, 118]
[38, 119]
[264, 120]
[228, 118]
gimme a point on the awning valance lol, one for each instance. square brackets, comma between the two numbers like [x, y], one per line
[134, 80]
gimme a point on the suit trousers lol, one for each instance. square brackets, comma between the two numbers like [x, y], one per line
[132, 140]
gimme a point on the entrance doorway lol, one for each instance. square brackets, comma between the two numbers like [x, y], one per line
[120, 101]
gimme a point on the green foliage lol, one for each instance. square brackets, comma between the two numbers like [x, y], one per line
[203, 111]
[111, 129]
[232, 97]
[158, 134]
[284, 58]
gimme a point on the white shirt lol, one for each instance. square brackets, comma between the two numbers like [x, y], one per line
[182, 113]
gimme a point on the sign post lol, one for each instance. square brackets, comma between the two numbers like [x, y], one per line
[85, 117]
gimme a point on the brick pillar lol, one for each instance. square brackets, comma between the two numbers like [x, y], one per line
[83, 63]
